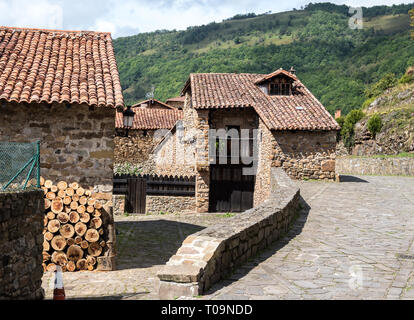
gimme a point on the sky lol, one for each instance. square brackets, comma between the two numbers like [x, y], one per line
[129, 17]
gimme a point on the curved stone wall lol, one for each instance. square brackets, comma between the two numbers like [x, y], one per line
[210, 254]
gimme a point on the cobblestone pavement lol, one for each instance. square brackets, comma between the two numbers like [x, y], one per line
[144, 244]
[355, 242]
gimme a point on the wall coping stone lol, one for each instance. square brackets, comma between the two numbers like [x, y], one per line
[206, 256]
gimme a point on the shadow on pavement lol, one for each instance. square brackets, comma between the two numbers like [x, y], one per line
[143, 244]
[351, 179]
[263, 255]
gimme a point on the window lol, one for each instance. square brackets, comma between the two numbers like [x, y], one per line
[280, 86]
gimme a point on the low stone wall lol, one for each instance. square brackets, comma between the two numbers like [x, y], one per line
[170, 204]
[375, 166]
[21, 239]
[210, 254]
[118, 202]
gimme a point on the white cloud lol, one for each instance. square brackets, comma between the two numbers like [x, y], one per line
[128, 17]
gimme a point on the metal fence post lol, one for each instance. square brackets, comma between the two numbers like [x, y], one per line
[38, 163]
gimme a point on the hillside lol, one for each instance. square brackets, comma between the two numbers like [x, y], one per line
[395, 107]
[334, 61]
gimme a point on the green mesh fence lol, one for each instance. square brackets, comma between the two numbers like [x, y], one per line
[19, 165]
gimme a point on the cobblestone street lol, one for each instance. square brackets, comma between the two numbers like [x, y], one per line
[353, 240]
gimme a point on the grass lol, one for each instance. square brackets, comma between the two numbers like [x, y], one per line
[383, 156]
[226, 215]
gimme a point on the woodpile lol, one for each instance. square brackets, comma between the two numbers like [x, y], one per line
[73, 228]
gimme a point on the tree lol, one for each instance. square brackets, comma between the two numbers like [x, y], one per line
[374, 124]
[411, 13]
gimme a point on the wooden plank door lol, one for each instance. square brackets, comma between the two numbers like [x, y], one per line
[136, 195]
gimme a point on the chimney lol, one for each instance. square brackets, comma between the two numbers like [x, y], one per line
[337, 113]
[292, 70]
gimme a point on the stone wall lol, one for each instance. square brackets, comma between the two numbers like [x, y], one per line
[375, 166]
[211, 254]
[170, 204]
[134, 149]
[76, 141]
[21, 240]
[305, 154]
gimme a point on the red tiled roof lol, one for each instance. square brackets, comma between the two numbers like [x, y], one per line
[299, 111]
[176, 99]
[38, 65]
[147, 119]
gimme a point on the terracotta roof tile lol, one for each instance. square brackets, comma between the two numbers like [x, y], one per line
[299, 111]
[151, 119]
[38, 65]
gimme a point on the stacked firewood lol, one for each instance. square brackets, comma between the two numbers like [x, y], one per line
[73, 227]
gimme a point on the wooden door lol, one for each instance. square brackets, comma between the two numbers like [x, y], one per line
[230, 190]
[136, 195]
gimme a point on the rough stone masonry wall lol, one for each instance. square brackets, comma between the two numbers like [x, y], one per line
[170, 204]
[21, 239]
[305, 154]
[375, 166]
[209, 255]
[76, 142]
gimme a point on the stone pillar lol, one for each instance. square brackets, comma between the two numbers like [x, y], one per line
[202, 162]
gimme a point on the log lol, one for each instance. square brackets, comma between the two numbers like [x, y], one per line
[95, 223]
[94, 249]
[81, 264]
[67, 231]
[81, 229]
[45, 190]
[71, 266]
[100, 231]
[73, 217]
[74, 205]
[74, 253]
[85, 217]
[53, 226]
[46, 246]
[92, 235]
[51, 267]
[61, 194]
[54, 189]
[48, 236]
[83, 200]
[90, 209]
[67, 200]
[74, 185]
[81, 209]
[57, 205]
[91, 260]
[48, 184]
[90, 267]
[59, 258]
[45, 221]
[50, 215]
[62, 185]
[102, 244]
[50, 195]
[46, 256]
[63, 217]
[70, 192]
[84, 244]
[44, 267]
[67, 210]
[70, 241]
[42, 181]
[47, 204]
[58, 243]
[88, 193]
[98, 205]
[97, 213]
[75, 197]
[78, 239]
[91, 202]
[80, 191]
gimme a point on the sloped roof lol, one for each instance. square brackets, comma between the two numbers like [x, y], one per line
[46, 66]
[299, 111]
[176, 99]
[151, 119]
[153, 101]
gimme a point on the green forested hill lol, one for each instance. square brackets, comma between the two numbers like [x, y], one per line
[335, 62]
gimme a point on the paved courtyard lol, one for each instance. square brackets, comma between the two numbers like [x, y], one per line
[353, 240]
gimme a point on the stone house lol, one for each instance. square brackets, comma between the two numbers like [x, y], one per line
[273, 119]
[62, 88]
[152, 104]
[176, 102]
[149, 126]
